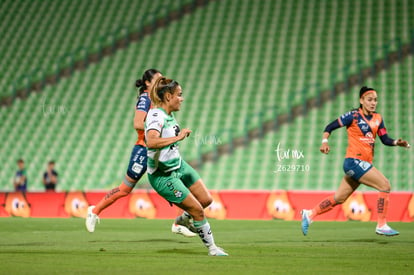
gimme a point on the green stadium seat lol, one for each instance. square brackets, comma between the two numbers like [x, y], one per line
[230, 61]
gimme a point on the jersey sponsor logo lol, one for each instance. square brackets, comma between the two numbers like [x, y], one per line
[171, 187]
[155, 114]
[176, 129]
[143, 104]
[369, 140]
[364, 165]
[155, 122]
[346, 114]
[364, 126]
[350, 173]
[140, 155]
[137, 168]
[142, 159]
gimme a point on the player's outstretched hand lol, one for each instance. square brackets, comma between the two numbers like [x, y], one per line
[184, 133]
[325, 148]
[402, 143]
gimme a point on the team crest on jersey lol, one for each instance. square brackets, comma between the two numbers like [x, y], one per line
[178, 193]
[350, 173]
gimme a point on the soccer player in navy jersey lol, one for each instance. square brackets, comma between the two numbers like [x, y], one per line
[138, 162]
[363, 125]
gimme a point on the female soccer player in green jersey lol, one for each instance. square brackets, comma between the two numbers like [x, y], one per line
[168, 173]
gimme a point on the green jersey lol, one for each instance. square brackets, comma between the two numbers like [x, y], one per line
[168, 158]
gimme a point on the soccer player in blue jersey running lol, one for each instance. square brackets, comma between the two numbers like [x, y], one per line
[138, 160]
[363, 125]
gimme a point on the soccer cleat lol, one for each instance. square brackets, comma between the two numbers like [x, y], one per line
[181, 229]
[186, 221]
[91, 219]
[306, 221]
[385, 230]
[216, 251]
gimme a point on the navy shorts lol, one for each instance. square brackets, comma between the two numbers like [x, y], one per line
[356, 168]
[138, 162]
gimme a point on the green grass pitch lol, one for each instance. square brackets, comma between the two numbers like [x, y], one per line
[140, 246]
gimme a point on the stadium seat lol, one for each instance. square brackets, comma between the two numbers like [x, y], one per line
[232, 63]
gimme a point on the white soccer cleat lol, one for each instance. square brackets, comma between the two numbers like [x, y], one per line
[91, 219]
[216, 251]
[181, 229]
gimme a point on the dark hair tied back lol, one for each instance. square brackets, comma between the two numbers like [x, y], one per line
[363, 90]
[147, 76]
[139, 83]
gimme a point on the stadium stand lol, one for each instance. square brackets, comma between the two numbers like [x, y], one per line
[235, 59]
[257, 166]
[36, 35]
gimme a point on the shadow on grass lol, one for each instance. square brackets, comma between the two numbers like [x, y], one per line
[139, 241]
[381, 240]
[182, 251]
[27, 244]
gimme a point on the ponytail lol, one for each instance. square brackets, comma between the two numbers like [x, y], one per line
[147, 76]
[161, 86]
[155, 99]
[140, 84]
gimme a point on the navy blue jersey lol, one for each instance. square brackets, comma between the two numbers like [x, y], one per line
[143, 105]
